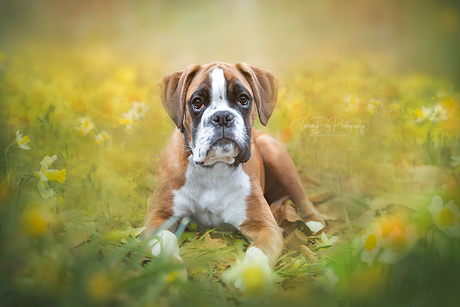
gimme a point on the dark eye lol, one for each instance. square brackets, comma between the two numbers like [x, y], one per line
[197, 103]
[243, 100]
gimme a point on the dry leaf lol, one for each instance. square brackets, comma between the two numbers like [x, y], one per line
[311, 256]
[213, 243]
[285, 213]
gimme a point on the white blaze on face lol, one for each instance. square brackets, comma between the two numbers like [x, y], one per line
[202, 151]
[218, 89]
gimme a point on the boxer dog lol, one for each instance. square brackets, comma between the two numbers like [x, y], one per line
[217, 170]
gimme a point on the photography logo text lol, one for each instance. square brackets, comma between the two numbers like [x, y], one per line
[322, 126]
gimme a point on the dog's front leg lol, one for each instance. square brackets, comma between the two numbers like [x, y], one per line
[261, 229]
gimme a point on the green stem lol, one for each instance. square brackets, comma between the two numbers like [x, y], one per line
[6, 166]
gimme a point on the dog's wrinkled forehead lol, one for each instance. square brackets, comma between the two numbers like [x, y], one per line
[217, 79]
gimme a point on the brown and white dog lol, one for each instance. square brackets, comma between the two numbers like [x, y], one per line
[217, 170]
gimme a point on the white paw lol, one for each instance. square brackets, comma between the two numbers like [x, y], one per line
[314, 226]
[166, 245]
[254, 275]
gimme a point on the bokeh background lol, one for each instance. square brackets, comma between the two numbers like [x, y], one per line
[414, 35]
[83, 130]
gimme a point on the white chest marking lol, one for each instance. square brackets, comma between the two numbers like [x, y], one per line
[213, 196]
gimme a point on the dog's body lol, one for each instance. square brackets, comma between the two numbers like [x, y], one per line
[220, 172]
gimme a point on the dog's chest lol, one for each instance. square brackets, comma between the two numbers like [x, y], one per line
[213, 196]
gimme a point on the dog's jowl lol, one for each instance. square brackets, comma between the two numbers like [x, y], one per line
[217, 170]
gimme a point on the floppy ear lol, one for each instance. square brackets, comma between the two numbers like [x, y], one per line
[173, 89]
[265, 88]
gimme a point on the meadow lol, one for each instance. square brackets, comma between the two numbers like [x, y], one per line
[83, 131]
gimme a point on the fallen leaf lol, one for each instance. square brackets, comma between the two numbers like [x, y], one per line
[285, 213]
[311, 256]
[213, 243]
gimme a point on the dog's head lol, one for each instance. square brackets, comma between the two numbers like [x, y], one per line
[215, 105]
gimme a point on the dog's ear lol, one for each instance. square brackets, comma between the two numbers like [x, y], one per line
[265, 88]
[173, 90]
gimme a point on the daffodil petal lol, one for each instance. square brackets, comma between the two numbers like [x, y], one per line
[436, 205]
[47, 161]
[451, 206]
[56, 175]
[389, 257]
[45, 191]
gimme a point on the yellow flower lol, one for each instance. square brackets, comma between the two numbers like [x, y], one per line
[171, 277]
[34, 222]
[99, 286]
[106, 110]
[78, 105]
[355, 105]
[370, 108]
[449, 125]
[252, 276]
[21, 141]
[399, 244]
[434, 114]
[101, 137]
[45, 174]
[135, 113]
[26, 117]
[421, 115]
[86, 126]
[447, 217]
[327, 241]
[372, 242]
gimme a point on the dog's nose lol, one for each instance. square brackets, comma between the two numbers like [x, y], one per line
[222, 119]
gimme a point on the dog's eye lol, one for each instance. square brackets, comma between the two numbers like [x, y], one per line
[243, 100]
[197, 103]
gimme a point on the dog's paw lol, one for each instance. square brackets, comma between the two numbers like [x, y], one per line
[314, 220]
[165, 245]
[254, 275]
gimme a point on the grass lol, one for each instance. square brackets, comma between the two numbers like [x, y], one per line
[75, 238]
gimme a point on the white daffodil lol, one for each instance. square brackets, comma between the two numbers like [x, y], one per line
[46, 174]
[21, 141]
[327, 241]
[399, 244]
[422, 114]
[86, 125]
[439, 114]
[447, 217]
[372, 106]
[355, 105]
[135, 113]
[434, 114]
[101, 137]
[372, 242]
[253, 275]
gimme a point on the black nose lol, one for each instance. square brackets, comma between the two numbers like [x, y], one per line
[222, 119]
